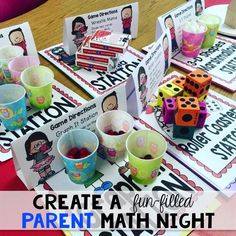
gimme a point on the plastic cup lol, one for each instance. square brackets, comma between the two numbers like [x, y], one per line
[8, 53]
[140, 144]
[18, 64]
[13, 112]
[113, 146]
[79, 170]
[192, 41]
[213, 23]
[37, 81]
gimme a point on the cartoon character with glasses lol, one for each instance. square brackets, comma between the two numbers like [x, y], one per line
[37, 148]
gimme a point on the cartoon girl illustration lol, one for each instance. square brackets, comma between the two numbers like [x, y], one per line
[169, 23]
[126, 17]
[198, 7]
[79, 29]
[165, 46]
[142, 80]
[17, 38]
[110, 102]
[37, 147]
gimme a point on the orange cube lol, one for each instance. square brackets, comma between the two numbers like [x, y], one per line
[179, 81]
[187, 111]
[197, 83]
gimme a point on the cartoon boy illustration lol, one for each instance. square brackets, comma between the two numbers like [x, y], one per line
[198, 7]
[110, 102]
[126, 17]
[17, 38]
[37, 147]
[142, 80]
[169, 23]
[165, 46]
[79, 29]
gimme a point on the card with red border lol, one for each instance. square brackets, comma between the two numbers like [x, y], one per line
[211, 152]
[64, 100]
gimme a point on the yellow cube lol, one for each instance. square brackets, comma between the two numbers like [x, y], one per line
[168, 90]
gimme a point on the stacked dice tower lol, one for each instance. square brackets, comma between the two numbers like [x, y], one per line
[182, 102]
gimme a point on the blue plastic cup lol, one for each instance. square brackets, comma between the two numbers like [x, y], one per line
[79, 170]
[13, 113]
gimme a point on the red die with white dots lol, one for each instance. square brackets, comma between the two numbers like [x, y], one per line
[168, 110]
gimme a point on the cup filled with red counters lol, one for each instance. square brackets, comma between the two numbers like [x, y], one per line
[113, 128]
[146, 149]
[78, 149]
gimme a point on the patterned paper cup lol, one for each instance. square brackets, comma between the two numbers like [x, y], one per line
[192, 41]
[13, 112]
[213, 23]
[8, 53]
[148, 144]
[18, 64]
[37, 81]
[79, 170]
[113, 146]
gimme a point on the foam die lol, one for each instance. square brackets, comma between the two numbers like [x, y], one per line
[185, 132]
[180, 81]
[197, 83]
[187, 111]
[168, 110]
[200, 99]
[202, 115]
[168, 90]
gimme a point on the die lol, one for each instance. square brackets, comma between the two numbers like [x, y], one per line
[168, 90]
[168, 110]
[179, 81]
[202, 115]
[187, 111]
[197, 83]
[185, 132]
[200, 99]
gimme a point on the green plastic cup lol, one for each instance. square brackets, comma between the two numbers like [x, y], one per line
[213, 23]
[140, 144]
[37, 81]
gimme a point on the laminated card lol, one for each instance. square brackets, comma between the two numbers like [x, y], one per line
[173, 176]
[19, 35]
[92, 81]
[63, 101]
[121, 19]
[211, 153]
[219, 60]
[84, 117]
[146, 77]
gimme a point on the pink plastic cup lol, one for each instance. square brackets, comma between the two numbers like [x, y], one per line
[18, 64]
[192, 42]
